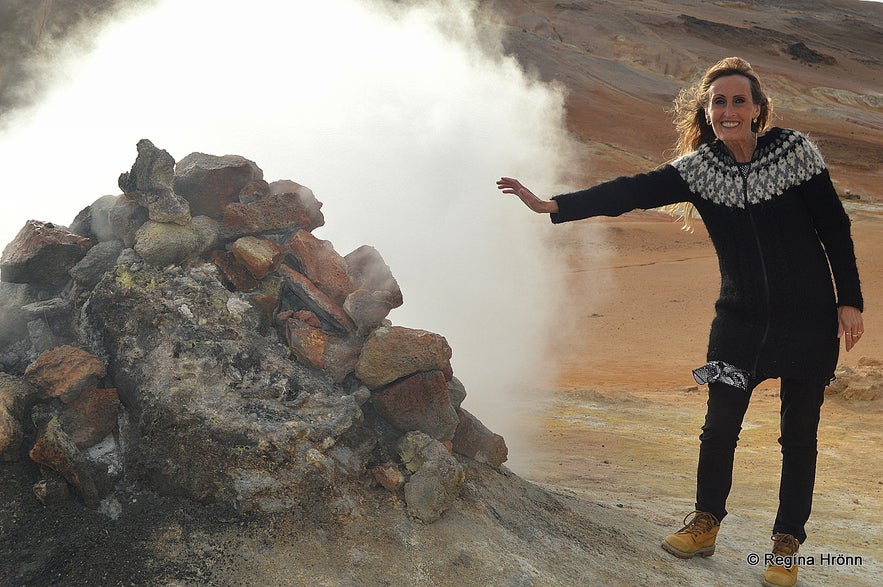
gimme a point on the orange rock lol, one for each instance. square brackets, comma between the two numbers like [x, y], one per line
[391, 353]
[307, 343]
[299, 293]
[259, 255]
[65, 372]
[55, 449]
[90, 418]
[322, 265]
[235, 272]
[389, 476]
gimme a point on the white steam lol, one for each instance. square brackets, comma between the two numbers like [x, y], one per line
[400, 123]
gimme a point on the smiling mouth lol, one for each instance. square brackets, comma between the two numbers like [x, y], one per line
[730, 124]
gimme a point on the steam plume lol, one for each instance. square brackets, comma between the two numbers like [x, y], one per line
[399, 118]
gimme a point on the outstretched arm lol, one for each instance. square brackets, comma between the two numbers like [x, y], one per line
[510, 185]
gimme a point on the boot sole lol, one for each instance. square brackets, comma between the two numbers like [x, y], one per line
[766, 583]
[704, 552]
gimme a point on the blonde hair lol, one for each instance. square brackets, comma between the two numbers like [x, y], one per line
[693, 127]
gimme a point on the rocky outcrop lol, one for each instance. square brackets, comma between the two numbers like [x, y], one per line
[193, 336]
[864, 382]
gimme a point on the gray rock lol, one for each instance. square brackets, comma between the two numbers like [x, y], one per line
[369, 271]
[216, 410]
[42, 336]
[13, 318]
[152, 172]
[436, 484]
[457, 391]
[210, 182]
[93, 221]
[149, 183]
[125, 217]
[368, 309]
[161, 244]
[16, 398]
[100, 259]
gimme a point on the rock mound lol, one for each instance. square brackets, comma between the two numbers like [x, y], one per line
[192, 336]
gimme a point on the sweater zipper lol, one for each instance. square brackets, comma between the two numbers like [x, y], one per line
[744, 170]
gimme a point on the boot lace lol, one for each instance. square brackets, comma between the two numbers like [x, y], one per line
[702, 522]
[785, 544]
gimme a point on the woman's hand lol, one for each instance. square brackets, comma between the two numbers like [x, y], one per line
[850, 325]
[510, 185]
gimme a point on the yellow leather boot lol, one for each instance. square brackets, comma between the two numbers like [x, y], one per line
[696, 537]
[784, 552]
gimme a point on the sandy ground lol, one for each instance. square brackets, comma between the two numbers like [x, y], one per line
[622, 425]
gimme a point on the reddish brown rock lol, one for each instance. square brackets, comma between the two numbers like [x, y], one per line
[369, 271]
[305, 199]
[419, 402]
[318, 260]
[306, 342]
[209, 182]
[235, 272]
[308, 317]
[321, 350]
[389, 476]
[368, 309]
[299, 293]
[272, 214]
[90, 418]
[65, 372]
[55, 449]
[259, 255]
[254, 191]
[474, 440]
[42, 254]
[394, 352]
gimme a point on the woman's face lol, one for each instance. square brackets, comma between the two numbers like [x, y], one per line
[731, 108]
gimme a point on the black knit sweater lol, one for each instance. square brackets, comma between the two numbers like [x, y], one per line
[779, 231]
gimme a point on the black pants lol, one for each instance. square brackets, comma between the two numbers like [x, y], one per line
[799, 422]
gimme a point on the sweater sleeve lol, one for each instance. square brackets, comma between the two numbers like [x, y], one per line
[833, 228]
[656, 188]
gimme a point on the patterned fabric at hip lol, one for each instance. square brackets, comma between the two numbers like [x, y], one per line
[718, 371]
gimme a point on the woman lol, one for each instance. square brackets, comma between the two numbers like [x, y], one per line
[779, 231]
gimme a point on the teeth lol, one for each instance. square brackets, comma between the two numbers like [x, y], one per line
[729, 124]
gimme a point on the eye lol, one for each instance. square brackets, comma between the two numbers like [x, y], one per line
[719, 101]
[740, 100]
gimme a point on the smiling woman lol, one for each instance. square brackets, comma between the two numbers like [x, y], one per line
[777, 226]
[732, 114]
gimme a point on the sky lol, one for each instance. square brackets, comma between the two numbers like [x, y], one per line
[400, 124]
